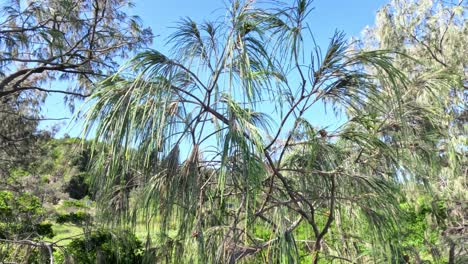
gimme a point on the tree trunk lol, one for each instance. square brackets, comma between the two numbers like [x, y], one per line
[451, 259]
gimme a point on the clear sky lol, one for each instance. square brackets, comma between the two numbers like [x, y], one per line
[349, 16]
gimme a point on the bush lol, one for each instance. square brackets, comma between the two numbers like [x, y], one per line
[45, 229]
[74, 203]
[77, 188]
[104, 246]
[22, 214]
[78, 218]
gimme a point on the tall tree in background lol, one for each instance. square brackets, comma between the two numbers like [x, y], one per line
[213, 148]
[434, 34]
[45, 42]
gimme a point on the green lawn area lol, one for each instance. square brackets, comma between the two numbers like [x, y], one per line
[63, 232]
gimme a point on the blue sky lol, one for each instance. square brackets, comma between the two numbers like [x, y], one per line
[349, 16]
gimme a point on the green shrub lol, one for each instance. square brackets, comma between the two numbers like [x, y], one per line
[104, 246]
[77, 218]
[22, 214]
[74, 203]
[77, 187]
[45, 229]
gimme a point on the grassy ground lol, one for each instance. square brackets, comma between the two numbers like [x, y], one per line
[64, 233]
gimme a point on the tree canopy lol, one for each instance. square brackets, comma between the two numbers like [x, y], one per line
[46, 40]
[434, 35]
[57, 47]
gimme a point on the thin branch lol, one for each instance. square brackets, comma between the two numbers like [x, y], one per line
[17, 90]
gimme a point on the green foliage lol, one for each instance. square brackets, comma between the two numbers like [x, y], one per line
[22, 215]
[28, 211]
[74, 203]
[420, 226]
[77, 187]
[63, 169]
[77, 218]
[104, 246]
[45, 230]
[430, 36]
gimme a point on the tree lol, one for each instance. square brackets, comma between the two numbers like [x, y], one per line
[60, 40]
[46, 42]
[433, 35]
[194, 149]
[14, 142]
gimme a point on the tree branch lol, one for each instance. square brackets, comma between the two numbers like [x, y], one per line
[8, 92]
